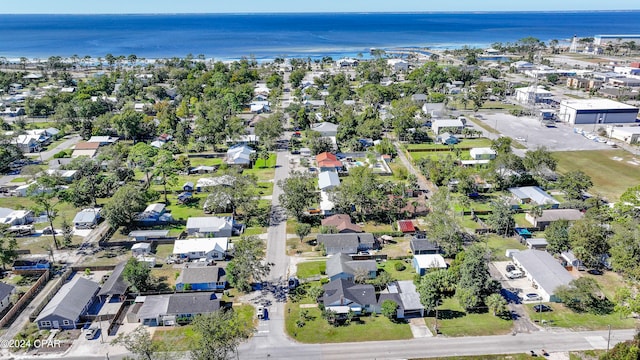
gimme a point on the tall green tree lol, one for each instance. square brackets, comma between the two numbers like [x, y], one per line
[574, 183]
[248, 264]
[298, 193]
[588, 241]
[142, 155]
[8, 247]
[475, 283]
[625, 248]
[166, 169]
[501, 217]
[138, 274]
[443, 226]
[362, 191]
[537, 160]
[129, 124]
[124, 205]
[220, 334]
[44, 194]
[496, 304]
[270, 130]
[139, 343]
[557, 234]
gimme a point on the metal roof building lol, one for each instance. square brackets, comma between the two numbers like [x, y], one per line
[543, 271]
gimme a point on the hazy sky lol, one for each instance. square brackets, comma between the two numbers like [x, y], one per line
[241, 6]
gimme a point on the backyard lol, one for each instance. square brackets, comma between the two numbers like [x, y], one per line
[612, 171]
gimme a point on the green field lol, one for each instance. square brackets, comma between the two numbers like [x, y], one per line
[567, 318]
[610, 177]
[454, 321]
[409, 273]
[311, 268]
[464, 143]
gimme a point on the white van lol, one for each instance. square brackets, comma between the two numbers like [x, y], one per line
[515, 274]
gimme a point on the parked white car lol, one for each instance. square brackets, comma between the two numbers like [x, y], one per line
[515, 274]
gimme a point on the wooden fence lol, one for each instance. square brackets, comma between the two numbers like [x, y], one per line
[25, 299]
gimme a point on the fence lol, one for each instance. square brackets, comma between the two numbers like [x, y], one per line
[25, 299]
[51, 294]
[94, 268]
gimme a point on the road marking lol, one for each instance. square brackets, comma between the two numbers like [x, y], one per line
[597, 342]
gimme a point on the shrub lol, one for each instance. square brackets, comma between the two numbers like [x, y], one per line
[399, 266]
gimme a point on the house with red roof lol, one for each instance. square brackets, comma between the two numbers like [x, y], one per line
[328, 162]
[406, 226]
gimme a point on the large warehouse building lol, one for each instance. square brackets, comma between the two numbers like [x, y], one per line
[596, 111]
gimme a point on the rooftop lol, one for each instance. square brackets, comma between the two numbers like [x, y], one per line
[595, 104]
[544, 269]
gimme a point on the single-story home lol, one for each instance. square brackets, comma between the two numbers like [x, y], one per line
[66, 175]
[328, 180]
[536, 243]
[441, 125]
[239, 155]
[446, 139]
[342, 266]
[202, 248]
[103, 140]
[204, 183]
[141, 248]
[172, 309]
[87, 218]
[154, 214]
[424, 262]
[16, 217]
[483, 153]
[543, 271]
[404, 294]
[188, 186]
[549, 216]
[326, 205]
[88, 149]
[70, 303]
[533, 195]
[347, 243]
[203, 278]
[328, 162]
[211, 226]
[342, 223]
[570, 260]
[145, 235]
[419, 98]
[343, 295]
[325, 128]
[115, 288]
[6, 290]
[423, 246]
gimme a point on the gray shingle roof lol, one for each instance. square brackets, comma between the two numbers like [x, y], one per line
[193, 303]
[115, 284]
[198, 275]
[71, 299]
[5, 290]
[342, 290]
[346, 239]
[422, 245]
[342, 263]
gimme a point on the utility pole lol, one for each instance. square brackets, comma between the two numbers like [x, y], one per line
[608, 338]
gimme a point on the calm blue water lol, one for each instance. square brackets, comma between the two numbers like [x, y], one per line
[293, 35]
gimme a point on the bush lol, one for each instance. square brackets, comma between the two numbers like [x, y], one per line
[399, 266]
[324, 281]
[60, 155]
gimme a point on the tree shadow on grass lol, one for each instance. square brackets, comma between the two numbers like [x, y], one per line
[450, 314]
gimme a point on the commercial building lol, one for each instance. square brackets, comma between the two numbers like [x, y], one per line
[545, 273]
[596, 111]
[628, 134]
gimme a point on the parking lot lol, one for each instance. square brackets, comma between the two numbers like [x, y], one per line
[520, 286]
[558, 138]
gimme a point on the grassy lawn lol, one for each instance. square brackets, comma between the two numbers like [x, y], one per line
[599, 165]
[464, 143]
[265, 188]
[566, 318]
[38, 244]
[294, 246]
[408, 273]
[179, 338]
[166, 274]
[311, 268]
[19, 180]
[521, 220]
[63, 209]
[454, 321]
[163, 250]
[185, 211]
[499, 245]
[317, 330]
[200, 161]
[111, 256]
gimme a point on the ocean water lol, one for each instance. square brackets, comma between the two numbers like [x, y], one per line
[266, 36]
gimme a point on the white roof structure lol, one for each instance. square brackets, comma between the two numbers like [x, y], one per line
[87, 216]
[205, 245]
[428, 261]
[439, 124]
[224, 180]
[544, 269]
[328, 180]
[533, 194]
[103, 139]
[482, 151]
[210, 223]
[595, 104]
[239, 155]
[325, 203]
[325, 127]
[141, 246]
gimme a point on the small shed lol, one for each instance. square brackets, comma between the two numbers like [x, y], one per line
[537, 243]
[406, 226]
[424, 262]
[188, 186]
[146, 235]
[140, 248]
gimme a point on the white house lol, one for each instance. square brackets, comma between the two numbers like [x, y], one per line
[328, 180]
[428, 261]
[6, 290]
[87, 218]
[16, 217]
[325, 128]
[239, 155]
[202, 248]
[210, 226]
[531, 94]
[482, 153]
[596, 111]
[439, 125]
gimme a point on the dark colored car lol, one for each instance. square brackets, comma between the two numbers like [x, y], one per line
[541, 308]
[510, 267]
[595, 272]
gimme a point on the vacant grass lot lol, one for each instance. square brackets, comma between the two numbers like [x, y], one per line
[498, 246]
[563, 317]
[464, 143]
[317, 330]
[454, 321]
[311, 268]
[610, 177]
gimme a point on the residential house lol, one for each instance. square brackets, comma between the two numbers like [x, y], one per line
[406, 226]
[533, 195]
[314, 104]
[347, 243]
[154, 214]
[17, 217]
[439, 126]
[239, 155]
[347, 62]
[6, 290]
[422, 263]
[260, 106]
[571, 261]
[213, 226]
[103, 140]
[549, 216]
[420, 246]
[201, 169]
[328, 180]
[398, 65]
[433, 109]
[88, 149]
[188, 186]
[66, 175]
[146, 235]
[328, 162]
[342, 223]
[141, 249]
[543, 271]
[202, 278]
[172, 309]
[482, 153]
[27, 143]
[305, 152]
[201, 248]
[404, 294]
[87, 218]
[115, 287]
[326, 205]
[446, 139]
[536, 243]
[343, 296]
[419, 99]
[532, 94]
[325, 128]
[342, 266]
[71, 302]
[224, 180]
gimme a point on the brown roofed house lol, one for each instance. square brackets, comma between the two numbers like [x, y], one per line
[342, 223]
